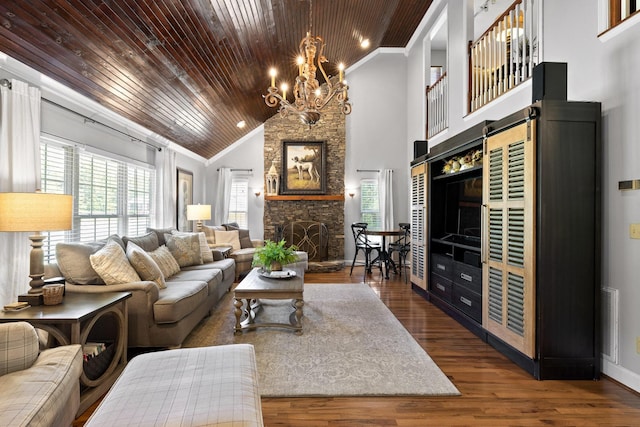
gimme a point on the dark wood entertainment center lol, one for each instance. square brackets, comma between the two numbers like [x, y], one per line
[509, 245]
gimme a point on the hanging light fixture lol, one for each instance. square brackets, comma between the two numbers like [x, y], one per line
[309, 97]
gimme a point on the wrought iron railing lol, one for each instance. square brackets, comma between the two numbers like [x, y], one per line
[437, 106]
[504, 56]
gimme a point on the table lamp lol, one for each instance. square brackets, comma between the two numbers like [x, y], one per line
[35, 212]
[198, 213]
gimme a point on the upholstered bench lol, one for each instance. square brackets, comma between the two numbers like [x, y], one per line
[205, 386]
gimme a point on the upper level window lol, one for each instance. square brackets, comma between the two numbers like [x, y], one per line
[111, 196]
[238, 204]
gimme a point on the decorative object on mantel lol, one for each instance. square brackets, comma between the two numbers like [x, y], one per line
[35, 212]
[455, 164]
[273, 180]
[309, 96]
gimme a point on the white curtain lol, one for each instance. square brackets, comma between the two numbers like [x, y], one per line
[166, 179]
[385, 185]
[19, 172]
[223, 196]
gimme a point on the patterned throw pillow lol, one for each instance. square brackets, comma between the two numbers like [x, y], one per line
[144, 265]
[112, 265]
[207, 255]
[19, 348]
[165, 261]
[185, 249]
[209, 231]
[230, 238]
[243, 235]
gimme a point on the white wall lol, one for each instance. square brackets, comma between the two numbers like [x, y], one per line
[247, 153]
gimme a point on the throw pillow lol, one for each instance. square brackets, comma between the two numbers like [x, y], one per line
[19, 349]
[112, 265]
[148, 242]
[165, 261]
[73, 262]
[160, 232]
[144, 265]
[185, 249]
[209, 231]
[243, 235]
[228, 237]
[207, 255]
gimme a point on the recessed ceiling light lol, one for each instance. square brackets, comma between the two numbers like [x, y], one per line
[241, 124]
[365, 43]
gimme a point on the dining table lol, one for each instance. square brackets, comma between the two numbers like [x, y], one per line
[383, 256]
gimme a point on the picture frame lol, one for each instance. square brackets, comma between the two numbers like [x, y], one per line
[184, 197]
[304, 167]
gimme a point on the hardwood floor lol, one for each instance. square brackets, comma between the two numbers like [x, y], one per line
[495, 392]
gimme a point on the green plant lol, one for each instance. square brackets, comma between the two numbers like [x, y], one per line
[272, 256]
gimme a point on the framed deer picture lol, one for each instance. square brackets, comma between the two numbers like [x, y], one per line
[304, 167]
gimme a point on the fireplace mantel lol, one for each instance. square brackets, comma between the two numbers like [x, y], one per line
[306, 197]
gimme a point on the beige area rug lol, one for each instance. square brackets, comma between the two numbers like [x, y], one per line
[352, 345]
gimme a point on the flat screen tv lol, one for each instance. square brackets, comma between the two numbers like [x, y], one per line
[463, 207]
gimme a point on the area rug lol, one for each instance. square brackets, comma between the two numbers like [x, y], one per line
[352, 345]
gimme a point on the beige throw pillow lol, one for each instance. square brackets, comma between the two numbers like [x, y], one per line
[230, 238]
[144, 265]
[165, 261]
[112, 265]
[209, 232]
[207, 255]
[185, 249]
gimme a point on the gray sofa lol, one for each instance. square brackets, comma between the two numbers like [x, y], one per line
[37, 388]
[158, 317]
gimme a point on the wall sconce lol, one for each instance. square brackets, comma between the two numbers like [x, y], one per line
[257, 191]
[351, 194]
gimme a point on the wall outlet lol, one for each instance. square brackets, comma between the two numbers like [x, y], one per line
[634, 231]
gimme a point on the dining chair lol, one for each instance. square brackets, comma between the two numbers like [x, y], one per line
[364, 244]
[402, 246]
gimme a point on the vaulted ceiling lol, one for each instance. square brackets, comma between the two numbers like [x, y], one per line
[190, 70]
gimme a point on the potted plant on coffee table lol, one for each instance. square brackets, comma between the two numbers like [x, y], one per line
[272, 256]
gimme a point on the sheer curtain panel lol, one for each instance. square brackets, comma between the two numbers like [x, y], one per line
[166, 178]
[222, 198]
[386, 199]
[19, 172]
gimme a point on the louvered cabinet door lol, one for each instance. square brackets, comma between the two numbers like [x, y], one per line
[418, 225]
[509, 237]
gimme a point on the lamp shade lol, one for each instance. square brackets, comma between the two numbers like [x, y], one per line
[35, 211]
[198, 212]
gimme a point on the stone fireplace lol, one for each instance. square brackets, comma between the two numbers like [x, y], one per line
[328, 209]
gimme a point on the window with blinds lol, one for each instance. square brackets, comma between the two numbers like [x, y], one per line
[370, 203]
[238, 205]
[111, 196]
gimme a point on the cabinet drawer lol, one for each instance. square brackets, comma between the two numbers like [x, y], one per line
[468, 302]
[468, 276]
[442, 265]
[440, 287]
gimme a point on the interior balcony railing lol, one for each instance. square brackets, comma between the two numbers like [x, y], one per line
[437, 108]
[504, 56]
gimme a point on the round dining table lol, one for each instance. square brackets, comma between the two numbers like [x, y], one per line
[384, 253]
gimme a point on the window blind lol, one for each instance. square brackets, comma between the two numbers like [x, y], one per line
[238, 205]
[370, 203]
[111, 196]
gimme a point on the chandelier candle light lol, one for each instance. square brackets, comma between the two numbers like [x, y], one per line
[309, 96]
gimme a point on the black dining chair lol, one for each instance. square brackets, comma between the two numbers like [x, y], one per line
[364, 244]
[402, 246]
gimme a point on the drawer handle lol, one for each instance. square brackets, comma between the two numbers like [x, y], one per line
[441, 267]
[466, 277]
[439, 286]
[465, 301]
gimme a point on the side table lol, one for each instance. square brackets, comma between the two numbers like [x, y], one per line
[72, 321]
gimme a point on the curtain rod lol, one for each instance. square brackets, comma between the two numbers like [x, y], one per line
[367, 170]
[7, 83]
[237, 170]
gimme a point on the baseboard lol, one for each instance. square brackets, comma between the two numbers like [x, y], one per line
[621, 375]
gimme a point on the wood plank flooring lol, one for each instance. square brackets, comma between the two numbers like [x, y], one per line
[495, 392]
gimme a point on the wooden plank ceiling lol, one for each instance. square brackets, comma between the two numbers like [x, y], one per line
[190, 70]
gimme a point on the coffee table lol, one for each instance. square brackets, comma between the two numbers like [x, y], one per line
[255, 287]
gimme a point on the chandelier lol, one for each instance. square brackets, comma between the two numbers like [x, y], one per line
[309, 97]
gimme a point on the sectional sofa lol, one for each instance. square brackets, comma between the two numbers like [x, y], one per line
[170, 294]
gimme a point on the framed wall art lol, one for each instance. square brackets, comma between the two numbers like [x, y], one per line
[184, 197]
[304, 170]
